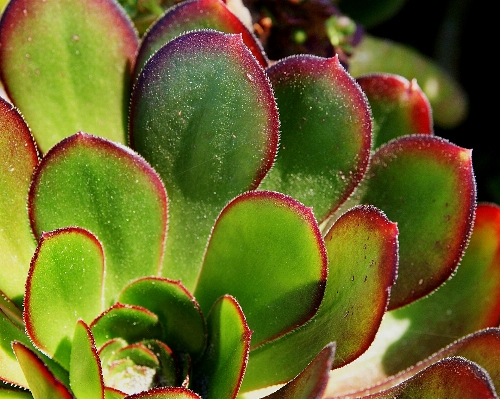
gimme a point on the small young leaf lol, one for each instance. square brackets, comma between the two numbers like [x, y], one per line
[18, 159]
[399, 107]
[65, 283]
[194, 15]
[165, 393]
[42, 383]
[325, 132]
[265, 250]
[101, 186]
[62, 61]
[426, 185]
[220, 371]
[204, 115]
[362, 249]
[85, 366]
[312, 381]
[179, 315]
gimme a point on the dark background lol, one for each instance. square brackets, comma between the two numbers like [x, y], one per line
[460, 35]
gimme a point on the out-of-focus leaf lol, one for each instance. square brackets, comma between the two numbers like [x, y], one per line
[425, 184]
[266, 250]
[220, 371]
[129, 322]
[181, 319]
[49, 52]
[325, 132]
[210, 140]
[194, 15]
[65, 283]
[448, 100]
[469, 302]
[362, 250]
[18, 159]
[311, 382]
[42, 383]
[93, 183]
[165, 393]
[399, 107]
[85, 367]
[11, 394]
[370, 13]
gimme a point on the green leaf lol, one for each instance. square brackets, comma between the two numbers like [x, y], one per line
[362, 250]
[101, 186]
[204, 115]
[194, 15]
[399, 107]
[265, 250]
[220, 371]
[179, 314]
[451, 378]
[312, 381]
[11, 394]
[79, 51]
[166, 393]
[426, 185]
[448, 100]
[325, 132]
[132, 323]
[170, 371]
[42, 383]
[65, 283]
[85, 367]
[466, 303]
[18, 159]
[111, 393]
[373, 12]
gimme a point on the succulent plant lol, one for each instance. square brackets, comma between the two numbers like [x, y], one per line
[181, 217]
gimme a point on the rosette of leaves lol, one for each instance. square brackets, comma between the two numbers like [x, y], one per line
[180, 219]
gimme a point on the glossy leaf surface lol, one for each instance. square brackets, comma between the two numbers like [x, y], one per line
[362, 251]
[93, 183]
[49, 52]
[265, 250]
[399, 107]
[209, 140]
[182, 323]
[221, 369]
[85, 367]
[42, 383]
[65, 283]
[325, 132]
[18, 159]
[310, 383]
[468, 302]
[194, 15]
[426, 185]
[448, 100]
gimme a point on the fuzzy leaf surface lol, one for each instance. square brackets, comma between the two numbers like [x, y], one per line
[179, 315]
[363, 253]
[426, 185]
[18, 159]
[203, 114]
[79, 51]
[194, 15]
[266, 250]
[42, 383]
[65, 283]
[220, 371]
[325, 132]
[85, 366]
[93, 183]
[311, 382]
[399, 107]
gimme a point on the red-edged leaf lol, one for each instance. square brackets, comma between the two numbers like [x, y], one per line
[311, 383]
[399, 107]
[425, 184]
[166, 393]
[18, 159]
[325, 132]
[41, 381]
[194, 15]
